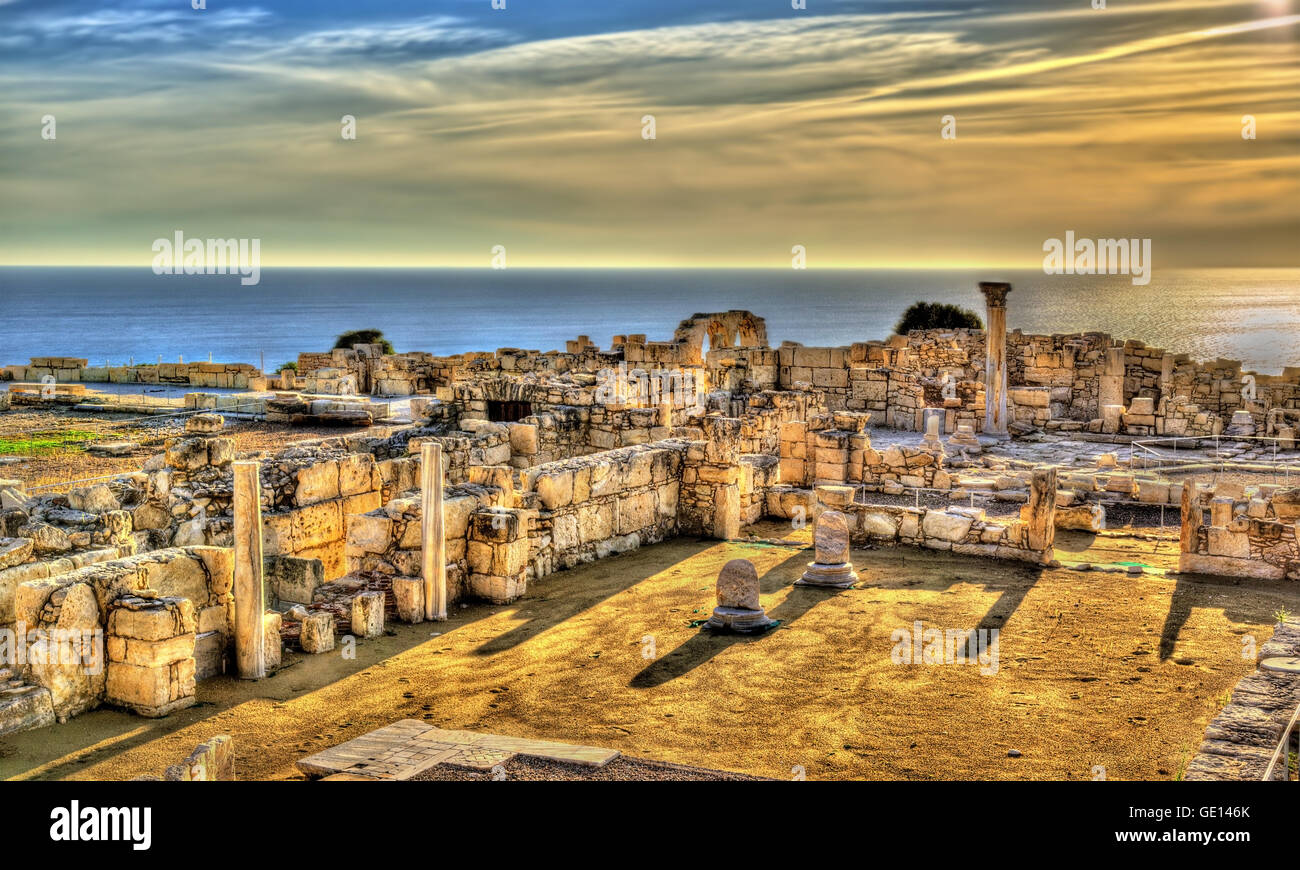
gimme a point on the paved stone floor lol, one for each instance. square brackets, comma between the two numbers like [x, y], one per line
[408, 748]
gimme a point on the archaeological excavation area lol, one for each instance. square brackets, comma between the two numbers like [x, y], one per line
[952, 554]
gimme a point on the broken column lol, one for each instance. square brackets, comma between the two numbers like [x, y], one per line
[831, 542]
[250, 594]
[995, 357]
[738, 607]
[933, 425]
[433, 535]
[1041, 511]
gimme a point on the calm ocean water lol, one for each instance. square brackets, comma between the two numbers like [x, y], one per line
[113, 314]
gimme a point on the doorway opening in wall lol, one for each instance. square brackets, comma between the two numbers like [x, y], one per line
[508, 412]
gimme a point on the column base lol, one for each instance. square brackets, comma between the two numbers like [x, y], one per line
[840, 576]
[739, 621]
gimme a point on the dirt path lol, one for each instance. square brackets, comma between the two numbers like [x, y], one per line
[1095, 669]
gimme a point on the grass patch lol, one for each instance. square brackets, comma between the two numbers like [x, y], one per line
[53, 441]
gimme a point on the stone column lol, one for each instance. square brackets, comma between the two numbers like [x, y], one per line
[1192, 515]
[250, 595]
[1042, 510]
[1110, 386]
[433, 532]
[995, 357]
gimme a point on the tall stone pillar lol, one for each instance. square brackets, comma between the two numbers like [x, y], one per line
[250, 594]
[995, 357]
[1192, 517]
[1110, 386]
[433, 532]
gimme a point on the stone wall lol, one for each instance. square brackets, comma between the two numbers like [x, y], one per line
[388, 541]
[594, 506]
[153, 610]
[837, 449]
[236, 376]
[1248, 534]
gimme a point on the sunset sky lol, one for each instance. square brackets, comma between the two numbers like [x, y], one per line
[775, 127]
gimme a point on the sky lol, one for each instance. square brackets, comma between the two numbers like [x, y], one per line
[773, 128]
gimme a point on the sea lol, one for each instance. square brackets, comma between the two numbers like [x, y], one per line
[117, 315]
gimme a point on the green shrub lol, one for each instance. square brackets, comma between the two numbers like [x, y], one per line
[290, 366]
[349, 340]
[937, 315]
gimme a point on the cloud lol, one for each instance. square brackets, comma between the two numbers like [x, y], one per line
[817, 130]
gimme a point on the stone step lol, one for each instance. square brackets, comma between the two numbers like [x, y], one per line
[25, 708]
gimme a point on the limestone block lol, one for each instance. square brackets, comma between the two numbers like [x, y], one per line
[1234, 545]
[211, 761]
[726, 512]
[221, 451]
[409, 592]
[1153, 492]
[97, 499]
[204, 424]
[879, 525]
[523, 438]
[498, 590]
[945, 526]
[153, 620]
[595, 522]
[272, 645]
[317, 483]
[368, 614]
[555, 489]
[357, 474]
[186, 454]
[318, 524]
[510, 558]
[14, 551]
[46, 539]
[317, 632]
[150, 654]
[371, 534]
[1221, 511]
[219, 565]
[635, 512]
[149, 516]
[151, 691]
[293, 579]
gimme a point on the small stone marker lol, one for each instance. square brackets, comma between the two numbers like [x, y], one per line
[832, 567]
[409, 592]
[317, 632]
[738, 607]
[368, 614]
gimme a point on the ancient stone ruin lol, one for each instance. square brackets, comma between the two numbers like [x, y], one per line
[518, 464]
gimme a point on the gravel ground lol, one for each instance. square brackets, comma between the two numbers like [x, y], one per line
[75, 463]
[621, 769]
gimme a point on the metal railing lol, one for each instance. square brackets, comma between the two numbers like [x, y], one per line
[64, 485]
[1279, 766]
[1150, 455]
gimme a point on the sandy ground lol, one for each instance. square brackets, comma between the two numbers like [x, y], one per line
[1095, 669]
